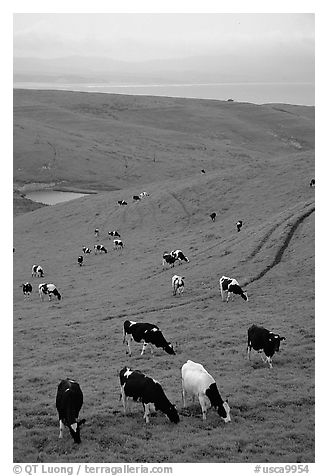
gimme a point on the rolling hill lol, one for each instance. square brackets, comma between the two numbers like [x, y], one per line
[258, 162]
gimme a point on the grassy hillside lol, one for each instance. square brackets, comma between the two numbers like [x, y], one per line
[253, 174]
[106, 141]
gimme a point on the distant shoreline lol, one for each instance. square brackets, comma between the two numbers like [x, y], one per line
[298, 94]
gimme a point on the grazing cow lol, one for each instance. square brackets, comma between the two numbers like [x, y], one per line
[168, 259]
[312, 183]
[27, 289]
[118, 244]
[239, 224]
[140, 387]
[231, 287]
[49, 289]
[203, 171]
[147, 334]
[179, 256]
[122, 202]
[261, 339]
[198, 382]
[144, 194]
[97, 232]
[37, 271]
[213, 216]
[69, 400]
[114, 233]
[99, 249]
[80, 260]
[177, 284]
[86, 250]
[136, 198]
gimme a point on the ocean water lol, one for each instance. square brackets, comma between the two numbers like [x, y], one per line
[257, 93]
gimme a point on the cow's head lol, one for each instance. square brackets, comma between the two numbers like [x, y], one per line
[172, 414]
[224, 411]
[244, 295]
[275, 341]
[169, 348]
[74, 430]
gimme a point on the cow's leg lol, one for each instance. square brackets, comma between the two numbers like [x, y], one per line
[147, 412]
[124, 399]
[222, 294]
[184, 397]
[203, 405]
[249, 348]
[128, 341]
[264, 359]
[269, 360]
[61, 427]
[144, 345]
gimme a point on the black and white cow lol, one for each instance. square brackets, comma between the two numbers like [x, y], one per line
[239, 224]
[80, 260]
[118, 244]
[147, 334]
[203, 171]
[177, 284]
[136, 198]
[27, 289]
[144, 194]
[37, 271]
[86, 250]
[50, 290]
[99, 249]
[69, 400]
[197, 382]
[179, 256]
[144, 389]
[312, 183]
[114, 233]
[232, 288]
[262, 340]
[168, 259]
[213, 216]
[97, 232]
[122, 202]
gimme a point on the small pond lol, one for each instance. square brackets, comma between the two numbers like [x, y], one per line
[51, 197]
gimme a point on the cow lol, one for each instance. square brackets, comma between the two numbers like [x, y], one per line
[196, 381]
[231, 287]
[27, 289]
[239, 224]
[86, 250]
[203, 171]
[168, 259]
[140, 387]
[114, 233]
[118, 244]
[312, 183]
[177, 284]
[37, 271]
[80, 260]
[100, 249]
[136, 198]
[122, 202]
[97, 232]
[147, 334]
[262, 340]
[50, 290]
[69, 400]
[213, 216]
[179, 256]
[144, 194]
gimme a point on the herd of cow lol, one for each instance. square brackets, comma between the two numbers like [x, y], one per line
[196, 381]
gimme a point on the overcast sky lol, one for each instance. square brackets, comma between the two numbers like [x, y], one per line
[139, 36]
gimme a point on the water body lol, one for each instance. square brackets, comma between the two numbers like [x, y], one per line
[257, 93]
[51, 197]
